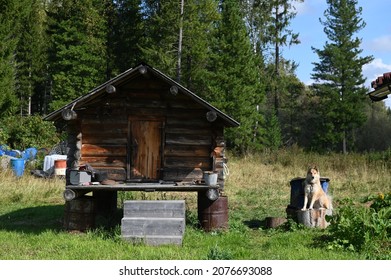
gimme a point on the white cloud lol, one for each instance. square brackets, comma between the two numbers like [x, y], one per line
[381, 44]
[301, 8]
[375, 69]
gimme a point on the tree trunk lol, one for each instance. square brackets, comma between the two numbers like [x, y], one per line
[180, 43]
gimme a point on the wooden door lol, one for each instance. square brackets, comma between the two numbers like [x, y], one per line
[144, 149]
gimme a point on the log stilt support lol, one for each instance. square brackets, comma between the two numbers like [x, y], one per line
[69, 194]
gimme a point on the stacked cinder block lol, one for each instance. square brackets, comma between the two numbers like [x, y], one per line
[154, 222]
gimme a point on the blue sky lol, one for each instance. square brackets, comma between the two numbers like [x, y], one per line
[376, 38]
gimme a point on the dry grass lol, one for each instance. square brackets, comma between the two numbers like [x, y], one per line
[30, 190]
[257, 186]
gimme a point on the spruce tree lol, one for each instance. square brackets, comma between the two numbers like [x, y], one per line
[269, 26]
[126, 34]
[8, 43]
[338, 76]
[161, 19]
[78, 51]
[234, 84]
[31, 57]
[178, 43]
[199, 20]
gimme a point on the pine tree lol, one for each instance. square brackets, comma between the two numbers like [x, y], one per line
[78, 55]
[338, 76]
[234, 84]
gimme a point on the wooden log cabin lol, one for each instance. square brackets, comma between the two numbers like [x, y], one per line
[146, 132]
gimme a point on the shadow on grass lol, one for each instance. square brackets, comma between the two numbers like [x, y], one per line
[255, 223]
[34, 219]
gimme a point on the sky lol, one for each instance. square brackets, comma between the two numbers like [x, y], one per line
[376, 38]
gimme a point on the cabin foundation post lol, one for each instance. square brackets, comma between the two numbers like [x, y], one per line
[106, 207]
[79, 214]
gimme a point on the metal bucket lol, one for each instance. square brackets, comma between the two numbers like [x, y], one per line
[210, 178]
[79, 214]
[212, 215]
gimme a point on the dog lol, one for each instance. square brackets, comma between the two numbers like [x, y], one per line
[313, 191]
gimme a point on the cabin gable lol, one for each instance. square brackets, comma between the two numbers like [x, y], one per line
[146, 128]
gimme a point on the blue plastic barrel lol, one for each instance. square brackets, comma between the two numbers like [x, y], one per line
[17, 166]
[29, 153]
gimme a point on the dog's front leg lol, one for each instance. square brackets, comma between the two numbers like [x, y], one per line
[305, 203]
[312, 202]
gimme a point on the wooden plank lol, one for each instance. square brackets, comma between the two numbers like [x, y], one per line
[186, 151]
[143, 187]
[104, 150]
[103, 139]
[188, 162]
[143, 83]
[182, 174]
[105, 128]
[186, 121]
[188, 112]
[178, 139]
[118, 118]
[113, 173]
[188, 130]
[104, 161]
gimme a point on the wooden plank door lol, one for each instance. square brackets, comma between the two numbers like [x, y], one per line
[144, 149]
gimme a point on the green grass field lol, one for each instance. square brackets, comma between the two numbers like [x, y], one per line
[31, 213]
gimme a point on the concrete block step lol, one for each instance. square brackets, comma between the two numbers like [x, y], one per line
[154, 239]
[155, 208]
[152, 226]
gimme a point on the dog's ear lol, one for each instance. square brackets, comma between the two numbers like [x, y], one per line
[313, 166]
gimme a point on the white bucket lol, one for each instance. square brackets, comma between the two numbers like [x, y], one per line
[210, 178]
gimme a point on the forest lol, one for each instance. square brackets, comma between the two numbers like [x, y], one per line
[228, 52]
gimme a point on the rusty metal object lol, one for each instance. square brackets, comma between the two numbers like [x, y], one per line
[212, 215]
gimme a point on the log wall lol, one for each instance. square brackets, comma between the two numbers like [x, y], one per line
[190, 143]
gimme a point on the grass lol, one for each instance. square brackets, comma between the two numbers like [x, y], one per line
[31, 212]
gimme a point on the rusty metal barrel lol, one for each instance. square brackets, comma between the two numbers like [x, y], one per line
[79, 214]
[212, 215]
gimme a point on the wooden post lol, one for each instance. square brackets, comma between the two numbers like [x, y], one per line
[313, 218]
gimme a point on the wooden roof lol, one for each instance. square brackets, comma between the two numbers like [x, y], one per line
[381, 86]
[125, 77]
